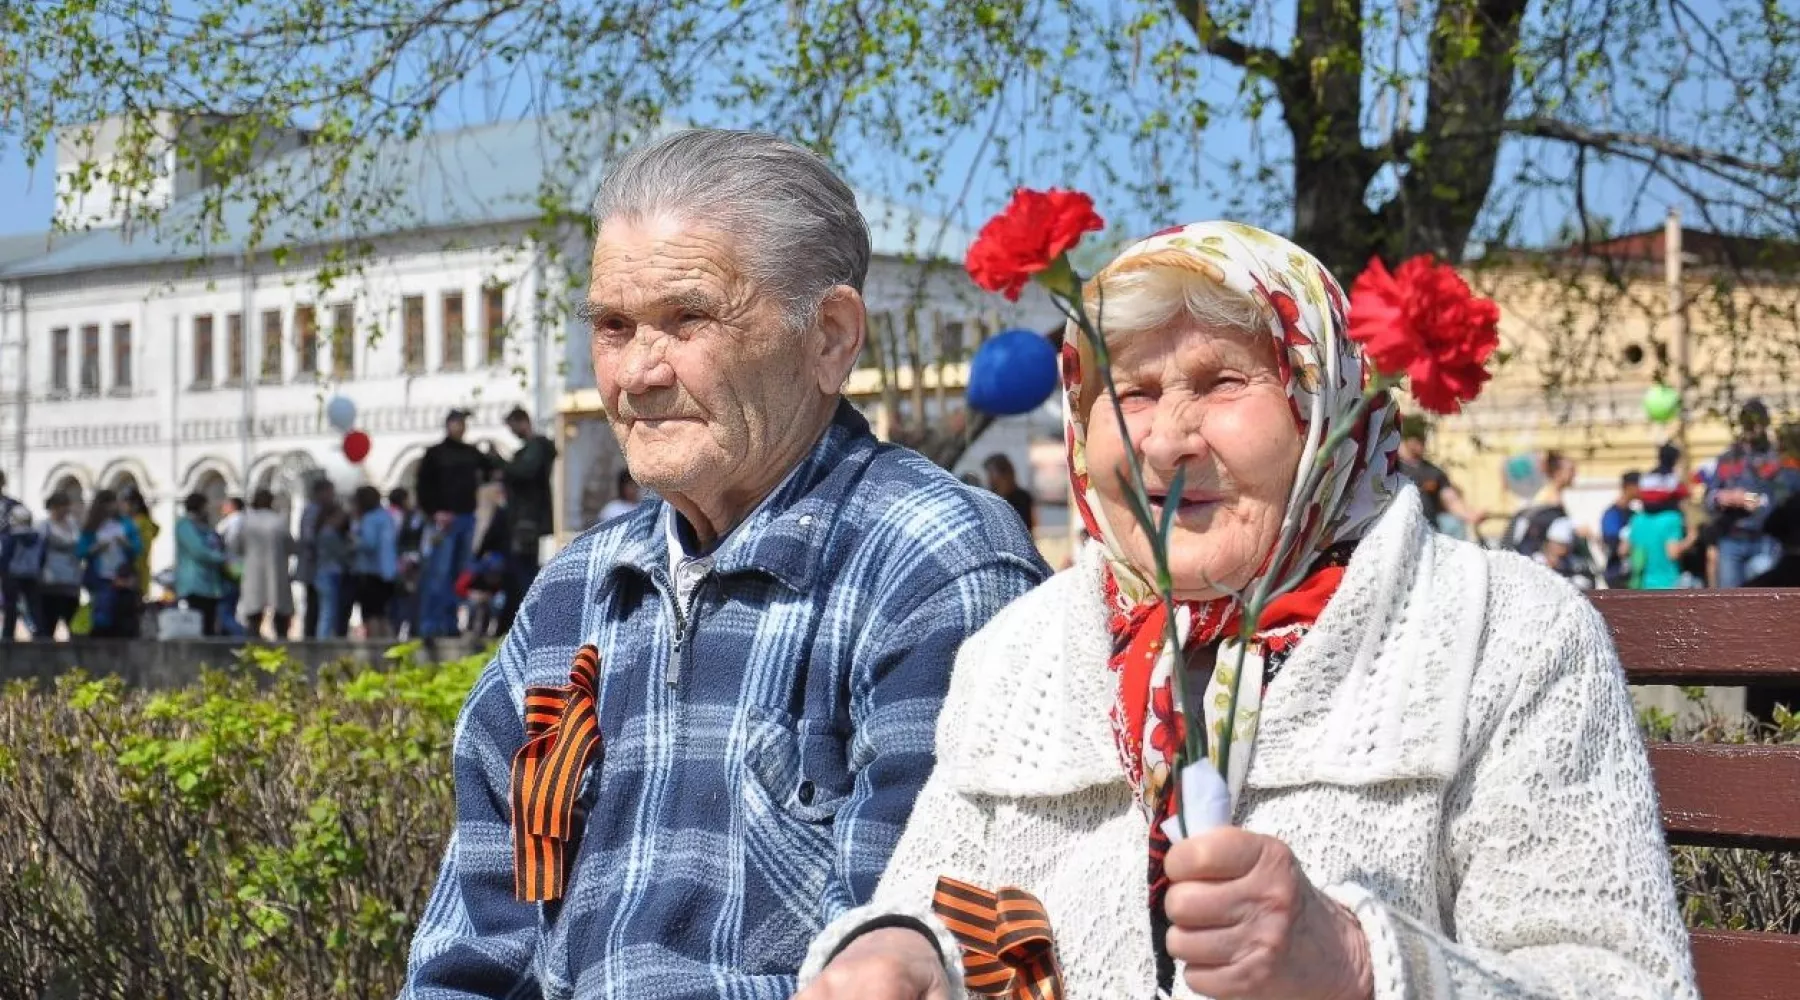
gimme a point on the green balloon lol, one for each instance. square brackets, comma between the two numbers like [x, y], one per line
[1661, 403]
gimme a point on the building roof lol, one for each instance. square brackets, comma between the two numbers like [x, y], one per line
[1698, 246]
[457, 179]
[21, 246]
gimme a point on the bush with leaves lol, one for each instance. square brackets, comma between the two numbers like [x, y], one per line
[258, 834]
[1732, 888]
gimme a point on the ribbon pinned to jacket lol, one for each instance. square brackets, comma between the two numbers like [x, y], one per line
[1008, 951]
[562, 737]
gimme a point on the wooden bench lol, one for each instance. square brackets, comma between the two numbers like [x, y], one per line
[1718, 795]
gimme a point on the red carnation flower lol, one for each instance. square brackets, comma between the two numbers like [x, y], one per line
[1033, 232]
[1422, 321]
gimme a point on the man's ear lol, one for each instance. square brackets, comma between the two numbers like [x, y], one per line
[842, 327]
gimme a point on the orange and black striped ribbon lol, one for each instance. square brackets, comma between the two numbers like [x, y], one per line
[562, 737]
[1007, 948]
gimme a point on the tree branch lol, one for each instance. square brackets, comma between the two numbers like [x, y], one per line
[1615, 142]
[1263, 62]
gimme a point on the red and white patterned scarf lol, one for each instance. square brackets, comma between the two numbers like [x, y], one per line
[1324, 373]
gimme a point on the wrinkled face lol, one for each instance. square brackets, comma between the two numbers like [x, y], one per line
[1210, 402]
[701, 375]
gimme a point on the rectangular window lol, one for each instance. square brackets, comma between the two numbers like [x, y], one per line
[343, 340]
[203, 351]
[306, 340]
[493, 324]
[272, 346]
[412, 333]
[453, 331]
[90, 360]
[951, 343]
[121, 345]
[59, 359]
[234, 349]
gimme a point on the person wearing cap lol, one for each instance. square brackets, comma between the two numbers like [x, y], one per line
[450, 474]
[705, 731]
[1565, 551]
[530, 514]
[1740, 498]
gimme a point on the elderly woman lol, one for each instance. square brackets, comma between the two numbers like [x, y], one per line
[1439, 789]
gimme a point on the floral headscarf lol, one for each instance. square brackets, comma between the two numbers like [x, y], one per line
[1324, 373]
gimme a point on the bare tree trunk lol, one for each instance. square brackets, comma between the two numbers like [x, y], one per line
[1443, 185]
[888, 359]
[938, 336]
[916, 362]
[881, 336]
[1465, 109]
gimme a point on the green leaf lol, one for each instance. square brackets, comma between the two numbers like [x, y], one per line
[1177, 484]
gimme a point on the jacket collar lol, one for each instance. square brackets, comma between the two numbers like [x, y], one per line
[784, 536]
[1375, 692]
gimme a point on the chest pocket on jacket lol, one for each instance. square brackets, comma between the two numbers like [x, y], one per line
[801, 766]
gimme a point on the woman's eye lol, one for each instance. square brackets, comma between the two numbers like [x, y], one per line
[691, 317]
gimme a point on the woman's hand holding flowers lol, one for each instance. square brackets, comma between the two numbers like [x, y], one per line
[1250, 925]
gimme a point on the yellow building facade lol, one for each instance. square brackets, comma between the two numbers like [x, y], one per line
[1581, 344]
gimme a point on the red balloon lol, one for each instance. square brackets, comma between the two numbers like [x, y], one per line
[356, 446]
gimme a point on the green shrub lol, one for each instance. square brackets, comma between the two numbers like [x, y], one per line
[258, 834]
[1733, 888]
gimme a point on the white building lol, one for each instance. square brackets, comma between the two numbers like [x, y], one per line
[128, 360]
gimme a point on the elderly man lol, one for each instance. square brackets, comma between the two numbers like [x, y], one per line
[705, 731]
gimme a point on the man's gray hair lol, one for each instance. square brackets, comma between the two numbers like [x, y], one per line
[796, 221]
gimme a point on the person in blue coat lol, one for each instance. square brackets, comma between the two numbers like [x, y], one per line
[376, 561]
[199, 563]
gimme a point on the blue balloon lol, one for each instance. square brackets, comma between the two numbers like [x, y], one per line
[1013, 373]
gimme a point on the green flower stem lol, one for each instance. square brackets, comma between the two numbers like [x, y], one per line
[1193, 736]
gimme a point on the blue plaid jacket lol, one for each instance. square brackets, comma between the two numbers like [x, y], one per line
[760, 757]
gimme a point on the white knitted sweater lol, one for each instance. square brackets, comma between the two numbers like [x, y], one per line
[1451, 753]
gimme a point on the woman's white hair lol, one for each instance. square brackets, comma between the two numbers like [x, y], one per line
[1149, 291]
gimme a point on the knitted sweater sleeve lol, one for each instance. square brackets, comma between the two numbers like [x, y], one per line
[1558, 879]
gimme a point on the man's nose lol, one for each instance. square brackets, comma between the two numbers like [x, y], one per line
[646, 363]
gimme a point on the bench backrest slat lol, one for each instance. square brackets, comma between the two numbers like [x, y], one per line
[1714, 795]
[1746, 965]
[1721, 637]
[1721, 795]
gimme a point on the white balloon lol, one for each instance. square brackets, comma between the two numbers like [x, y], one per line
[340, 413]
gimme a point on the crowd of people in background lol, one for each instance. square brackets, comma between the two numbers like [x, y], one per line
[1732, 522]
[406, 569]
[396, 567]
